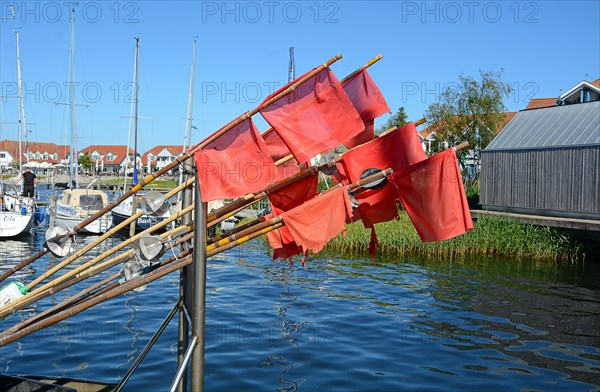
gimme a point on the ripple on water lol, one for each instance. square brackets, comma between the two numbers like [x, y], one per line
[339, 325]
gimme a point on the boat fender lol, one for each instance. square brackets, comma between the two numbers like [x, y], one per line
[11, 292]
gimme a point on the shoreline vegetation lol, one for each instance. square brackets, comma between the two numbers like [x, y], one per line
[490, 236]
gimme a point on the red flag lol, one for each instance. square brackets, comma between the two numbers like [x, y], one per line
[397, 150]
[314, 117]
[235, 164]
[432, 193]
[283, 200]
[279, 150]
[282, 242]
[318, 220]
[369, 103]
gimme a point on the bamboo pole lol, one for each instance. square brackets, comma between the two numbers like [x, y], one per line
[232, 231]
[242, 233]
[360, 69]
[461, 146]
[242, 240]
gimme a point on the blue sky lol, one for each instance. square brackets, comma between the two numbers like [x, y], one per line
[543, 46]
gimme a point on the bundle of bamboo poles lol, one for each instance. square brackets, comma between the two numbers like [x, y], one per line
[108, 288]
[181, 234]
[184, 157]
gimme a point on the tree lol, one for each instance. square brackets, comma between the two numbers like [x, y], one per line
[396, 120]
[470, 110]
[14, 165]
[85, 160]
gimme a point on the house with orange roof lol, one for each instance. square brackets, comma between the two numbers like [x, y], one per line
[33, 154]
[582, 92]
[110, 159]
[159, 156]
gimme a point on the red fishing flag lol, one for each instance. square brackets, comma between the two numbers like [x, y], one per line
[369, 103]
[434, 197]
[235, 164]
[318, 220]
[316, 116]
[279, 150]
[396, 150]
[286, 199]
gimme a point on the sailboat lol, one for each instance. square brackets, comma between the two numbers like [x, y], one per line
[128, 207]
[16, 212]
[76, 205]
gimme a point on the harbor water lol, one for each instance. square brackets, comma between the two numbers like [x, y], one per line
[341, 324]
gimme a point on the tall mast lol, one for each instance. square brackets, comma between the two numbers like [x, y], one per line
[22, 125]
[187, 139]
[73, 166]
[292, 66]
[134, 178]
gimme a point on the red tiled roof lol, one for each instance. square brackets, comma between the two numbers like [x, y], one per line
[536, 103]
[596, 82]
[12, 146]
[120, 152]
[174, 150]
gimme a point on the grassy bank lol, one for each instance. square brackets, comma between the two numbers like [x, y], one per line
[491, 236]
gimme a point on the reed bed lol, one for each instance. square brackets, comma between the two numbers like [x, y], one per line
[491, 236]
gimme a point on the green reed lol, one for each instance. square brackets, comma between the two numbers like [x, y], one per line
[490, 237]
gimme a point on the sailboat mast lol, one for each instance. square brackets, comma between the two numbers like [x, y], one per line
[73, 166]
[187, 139]
[135, 115]
[22, 124]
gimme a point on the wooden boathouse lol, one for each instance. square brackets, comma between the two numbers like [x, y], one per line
[545, 162]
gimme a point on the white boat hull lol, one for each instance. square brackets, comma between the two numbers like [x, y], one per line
[13, 224]
[99, 226]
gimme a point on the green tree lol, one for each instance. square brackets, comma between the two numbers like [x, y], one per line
[470, 110]
[14, 165]
[396, 120]
[85, 160]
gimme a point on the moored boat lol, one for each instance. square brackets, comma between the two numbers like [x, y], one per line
[76, 205]
[16, 212]
[124, 211]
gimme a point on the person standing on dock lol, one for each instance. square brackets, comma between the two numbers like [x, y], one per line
[29, 181]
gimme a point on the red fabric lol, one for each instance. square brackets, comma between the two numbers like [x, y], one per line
[314, 117]
[365, 136]
[235, 164]
[283, 200]
[434, 197]
[397, 150]
[369, 103]
[282, 242]
[318, 220]
[373, 244]
[378, 206]
[279, 150]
